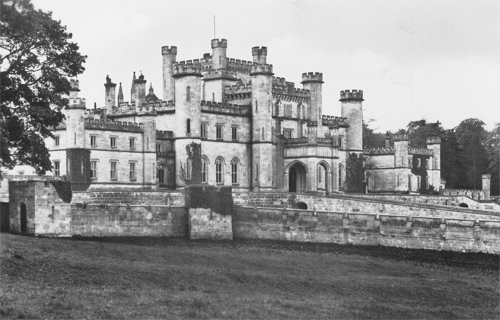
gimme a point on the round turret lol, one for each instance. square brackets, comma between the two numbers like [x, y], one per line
[219, 60]
[312, 77]
[351, 108]
[169, 55]
[169, 50]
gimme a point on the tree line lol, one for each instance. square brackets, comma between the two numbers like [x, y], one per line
[467, 151]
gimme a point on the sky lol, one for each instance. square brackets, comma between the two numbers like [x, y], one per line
[433, 60]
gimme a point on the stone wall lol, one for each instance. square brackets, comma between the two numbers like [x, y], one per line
[362, 204]
[367, 229]
[101, 220]
[206, 224]
[173, 198]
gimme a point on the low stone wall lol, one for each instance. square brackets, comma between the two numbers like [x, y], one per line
[101, 220]
[361, 204]
[173, 198]
[206, 224]
[367, 229]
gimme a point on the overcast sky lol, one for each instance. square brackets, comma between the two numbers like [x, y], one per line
[438, 60]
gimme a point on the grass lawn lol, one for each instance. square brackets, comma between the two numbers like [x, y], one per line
[153, 278]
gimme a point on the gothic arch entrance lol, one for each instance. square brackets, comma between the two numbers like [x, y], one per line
[24, 218]
[323, 182]
[297, 178]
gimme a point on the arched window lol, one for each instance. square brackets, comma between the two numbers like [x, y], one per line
[256, 105]
[213, 96]
[263, 134]
[161, 173]
[234, 170]
[188, 93]
[219, 171]
[204, 169]
[341, 175]
[188, 126]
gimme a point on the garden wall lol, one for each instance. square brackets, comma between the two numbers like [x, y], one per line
[367, 229]
[207, 224]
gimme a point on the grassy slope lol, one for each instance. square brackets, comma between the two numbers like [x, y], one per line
[176, 278]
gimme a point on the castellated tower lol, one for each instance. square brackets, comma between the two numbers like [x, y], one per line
[259, 55]
[351, 108]
[138, 91]
[219, 48]
[110, 100]
[313, 81]
[401, 143]
[147, 119]
[263, 151]
[187, 112]
[169, 55]
[434, 170]
[74, 112]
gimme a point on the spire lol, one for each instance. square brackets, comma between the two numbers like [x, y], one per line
[120, 94]
[151, 88]
[133, 78]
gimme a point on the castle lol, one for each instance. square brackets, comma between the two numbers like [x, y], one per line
[257, 132]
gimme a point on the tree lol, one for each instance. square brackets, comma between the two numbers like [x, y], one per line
[36, 59]
[419, 131]
[372, 139]
[493, 150]
[471, 137]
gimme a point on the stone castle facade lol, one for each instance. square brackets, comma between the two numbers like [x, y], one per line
[257, 132]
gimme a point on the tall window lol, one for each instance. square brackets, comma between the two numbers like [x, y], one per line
[341, 176]
[93, 169]
[56, 141]
[112, 170]
[409, 162]
[287, 133]
[234, 171]
[204, 170]
[213, 96]
[93, 141]
[188, 93]
[256, 105]
[219, 171]
[158, 147]
[269, 172]
[234, 133]
[263, 134]
[133, 175]
[132, 143]
[57, 168]
[189, 165]
[112, 142]
[419, 163]
[203, 130]
[161, 174]
[418, 183]
[340, 142]
[288, 110]
[218, 131]
[427, 163]
[188, 126]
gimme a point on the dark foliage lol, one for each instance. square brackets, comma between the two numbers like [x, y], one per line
[422, 172]
[354, 173]
[37, 60]
[219, 199]
[79, 168]
[63, 189]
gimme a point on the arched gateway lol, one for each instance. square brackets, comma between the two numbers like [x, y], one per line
[297, 173]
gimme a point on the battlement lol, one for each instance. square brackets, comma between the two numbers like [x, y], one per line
[333, 122]
[216, 43]
[308, 77]
[325, 140]
[433, 140]
[347, 95]
[400, 137]
[302, 140]
[382, 150]
[75, 85]
[186, 69]
[218, 74]
[238, 88]
[280, 86]
[165, 50]
[258, 51]
[113, 125]
[262, 69]
[92, 112]
[238, 65]
[420, 151]
[161, 134]
[225, 108]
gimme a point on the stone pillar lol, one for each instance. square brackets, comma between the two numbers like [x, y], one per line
[486, 185]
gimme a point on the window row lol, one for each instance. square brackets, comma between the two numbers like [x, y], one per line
[219, 131]
[113, 170]
[94, 138]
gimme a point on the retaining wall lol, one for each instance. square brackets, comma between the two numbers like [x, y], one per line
[207, 224]
[367, 229]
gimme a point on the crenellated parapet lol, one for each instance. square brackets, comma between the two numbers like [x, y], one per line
[282, 87]
[349, 95]
[265, 69]
[420, 151]
[240, 87]
[187, 68]
[164, 135]
[333, 122]
[258, 51]
[218, 74]
[77, 103]
[382, 150]
[241, 66]
[169, 50]
[219, 43]
[75, 85]
[113, 125]
[218, 107]
[400, 137]
[302, 140]
[433, 140]
[315, 77]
